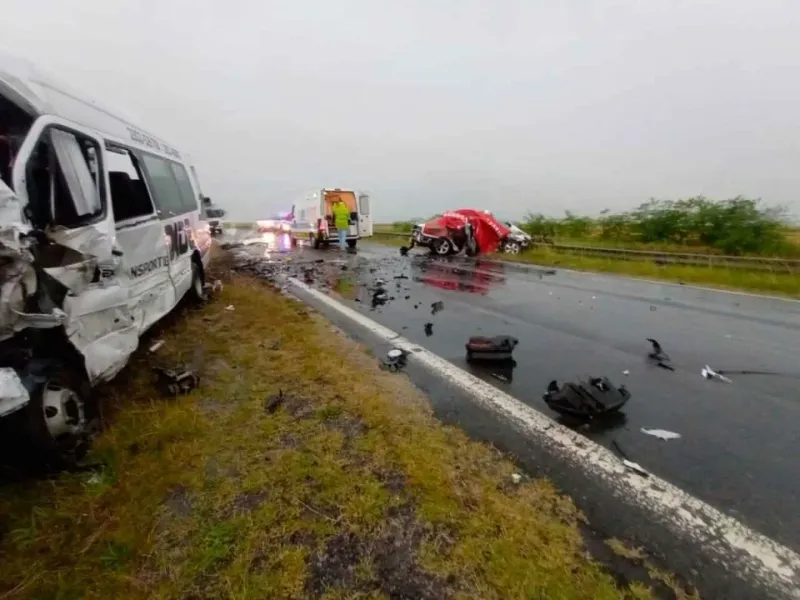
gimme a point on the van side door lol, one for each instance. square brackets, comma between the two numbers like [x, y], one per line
[140, 235]
[178, 215]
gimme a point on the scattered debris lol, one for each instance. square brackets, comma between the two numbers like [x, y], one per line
[516, 477]
[174, 382]
[401, 276]
[499, 347]
[229, 307]
[709, 373]
[586, 400]
[626, 372]
[658, 355]
[437, 306]
[428, 329]
[273, 403]
[652, 308]
[662, 434]
[633, 466]
[627, 462]
[403, 250]
[216, 287]
[395, 359]
[156, 346]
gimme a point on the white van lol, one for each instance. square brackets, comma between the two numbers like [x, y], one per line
[312, 219]
[100, 237]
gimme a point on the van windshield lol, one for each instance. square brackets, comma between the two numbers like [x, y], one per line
[14, 126]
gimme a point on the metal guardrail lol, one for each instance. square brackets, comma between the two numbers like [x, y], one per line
[786, 265]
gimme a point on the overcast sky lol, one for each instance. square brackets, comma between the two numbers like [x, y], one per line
[435, 104]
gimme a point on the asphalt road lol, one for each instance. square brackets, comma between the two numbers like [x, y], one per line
[739, 441]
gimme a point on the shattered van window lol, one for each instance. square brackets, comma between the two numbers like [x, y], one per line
[64, 185]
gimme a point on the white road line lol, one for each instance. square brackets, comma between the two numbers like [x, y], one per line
[746, 554]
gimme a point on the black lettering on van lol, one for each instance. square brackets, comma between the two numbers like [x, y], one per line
[149, 266]
[178, 235]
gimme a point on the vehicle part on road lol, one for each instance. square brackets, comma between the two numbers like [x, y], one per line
[586, 399]
[395, 359]
[496, 348]
[176, 381]
[156, 346]
[626, 372]
[709, 373]
[428, 329]
[662, 434]
[404, 250]
[658, 355]
[636, 467]
[436, 307]
[229, 307]
[516, 477]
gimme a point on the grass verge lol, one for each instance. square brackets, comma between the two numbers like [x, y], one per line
[772, 282]
[298, 469]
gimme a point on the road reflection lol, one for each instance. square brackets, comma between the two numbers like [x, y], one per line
[474, 277]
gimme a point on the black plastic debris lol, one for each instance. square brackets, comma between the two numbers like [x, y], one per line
[176, 381]
[408, 297]
[403, 250]
[437, 306]
[395, 359]
[499, 347]
[658, 356]
[273, 403]
[586, 399]
[401, 276]
[428, 329]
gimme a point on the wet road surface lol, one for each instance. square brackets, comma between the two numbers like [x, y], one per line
[739, 441]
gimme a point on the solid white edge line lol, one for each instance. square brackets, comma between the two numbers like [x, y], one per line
[744, 552]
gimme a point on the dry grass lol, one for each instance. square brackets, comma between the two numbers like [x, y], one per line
[349, 488]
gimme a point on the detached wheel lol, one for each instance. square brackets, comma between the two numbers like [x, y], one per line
[61, 418]
[196, 293]
[512, 248]
[442, 246]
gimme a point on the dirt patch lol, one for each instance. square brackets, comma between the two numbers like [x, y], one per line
[179, 502]
[393, 480]
[391, 557]
[245, 503]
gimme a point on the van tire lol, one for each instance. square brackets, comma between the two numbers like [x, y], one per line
[53, 448]
[316, 241]
[352, 244]
[196, 293]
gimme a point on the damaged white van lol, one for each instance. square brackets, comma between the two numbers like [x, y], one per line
[100, 237]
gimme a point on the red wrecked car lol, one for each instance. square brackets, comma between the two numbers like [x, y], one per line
[467, 229]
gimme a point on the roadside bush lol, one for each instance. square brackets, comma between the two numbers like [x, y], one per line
[403, 226]
[735, 226]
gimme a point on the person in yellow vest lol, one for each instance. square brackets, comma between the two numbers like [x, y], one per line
[341, 220]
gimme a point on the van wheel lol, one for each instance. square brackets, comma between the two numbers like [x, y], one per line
[352, 244]
[197, 295]
[61, 418]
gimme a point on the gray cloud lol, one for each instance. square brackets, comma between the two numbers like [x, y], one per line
[515, 105]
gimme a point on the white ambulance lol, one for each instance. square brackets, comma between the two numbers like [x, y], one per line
[312, 219]
[100, 237]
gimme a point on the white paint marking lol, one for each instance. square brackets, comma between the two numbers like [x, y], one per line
[745, 553]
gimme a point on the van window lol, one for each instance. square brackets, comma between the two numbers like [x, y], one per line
[363, 200]
[63, 180]
[163, 185]
[129, 196]
[187, 192]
